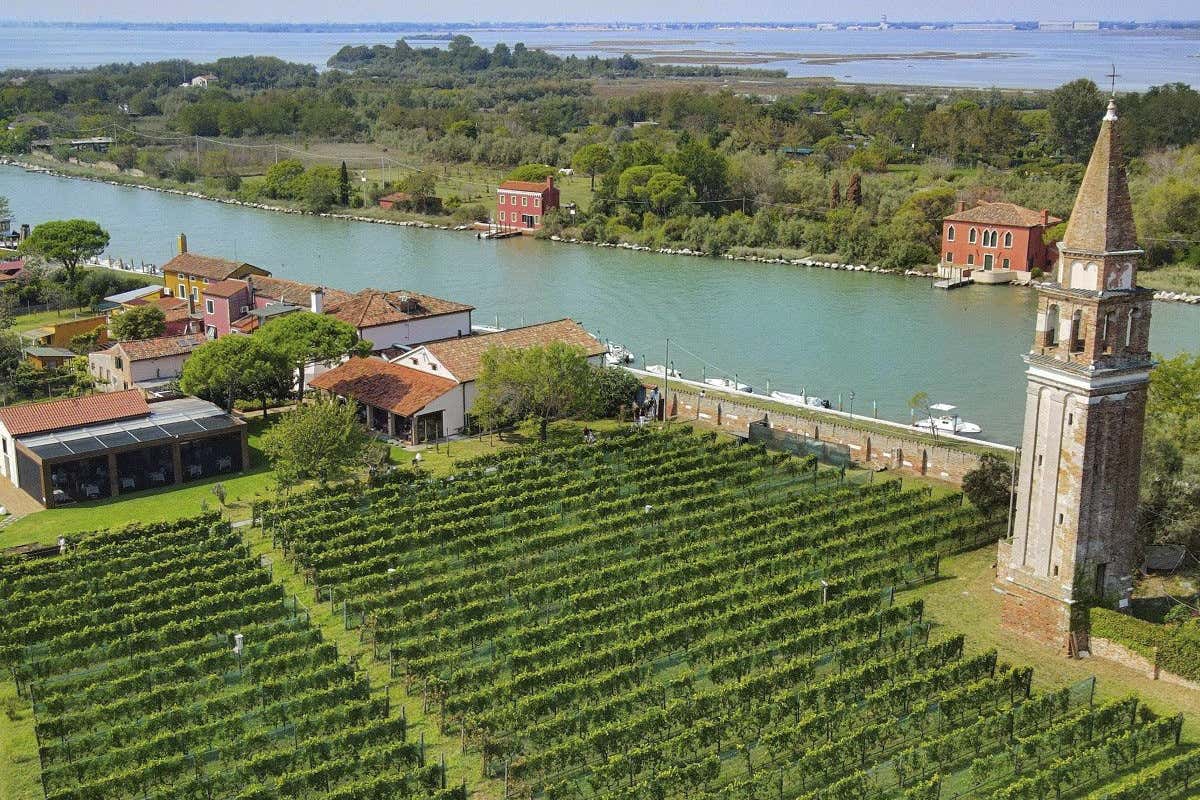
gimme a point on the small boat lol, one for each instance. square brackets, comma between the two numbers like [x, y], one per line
[946, 421]
[801, 399]
[659, 369]
[618, 354]
[729, 384]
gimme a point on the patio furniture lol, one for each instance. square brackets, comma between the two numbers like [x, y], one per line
[128, 483]
[194, 470]
[224, 462]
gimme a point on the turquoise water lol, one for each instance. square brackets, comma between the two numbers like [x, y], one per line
[885, 338]
[1037, 59]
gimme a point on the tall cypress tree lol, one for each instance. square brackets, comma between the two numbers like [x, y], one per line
[344, 186]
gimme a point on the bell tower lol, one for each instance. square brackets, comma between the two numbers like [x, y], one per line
[1074, 526]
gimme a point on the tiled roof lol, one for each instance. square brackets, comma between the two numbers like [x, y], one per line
[1009, 214]
[215, 269]
[294, 292]
[72, 412]
[1102, 220]
[225, 288]
[397, 197]
[462, 356]
[526, 186]
[381, 384]
[142, 349]
[372, 307]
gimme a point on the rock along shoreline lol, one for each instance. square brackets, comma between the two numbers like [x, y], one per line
[1164, 296]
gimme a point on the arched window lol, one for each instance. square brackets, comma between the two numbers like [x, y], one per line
[1077, 331]
[1107, 330]
[950, 234]
[1052, 325]
[1008, 238]
[971, 236]
[1134, 315]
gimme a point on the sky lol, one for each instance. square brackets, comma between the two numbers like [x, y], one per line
[581, 11]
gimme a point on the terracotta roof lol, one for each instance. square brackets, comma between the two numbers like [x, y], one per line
[226, 288]
[215, 269]
[381, 384]
[72, 412]
[462, 356]
[372, 307]
[526, 186]
[1102, 219]
[294, 292]
[142, 349]
[397, 197]
[1009, 214]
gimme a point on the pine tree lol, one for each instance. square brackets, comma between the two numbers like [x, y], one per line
[854, 190]
[835, 194]
[344, 186]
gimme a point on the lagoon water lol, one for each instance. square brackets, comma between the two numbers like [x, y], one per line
[1036, 59]
[882, 337]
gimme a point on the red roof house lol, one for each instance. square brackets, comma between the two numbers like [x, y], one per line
[520, 205]
[997, 236]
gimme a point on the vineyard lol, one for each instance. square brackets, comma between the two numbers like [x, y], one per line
[662, 615]
[126, 647]
[656, 615]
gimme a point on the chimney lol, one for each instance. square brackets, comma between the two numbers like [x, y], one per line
[182, 243]
[1045, 217]
[549, 181]
[316, 300]
[250, 290]
[960, 206]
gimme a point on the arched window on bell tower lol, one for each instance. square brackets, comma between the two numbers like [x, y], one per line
[1108, 332]
[1077, 331]
[1051, 335]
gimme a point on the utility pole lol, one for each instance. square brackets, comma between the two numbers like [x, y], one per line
[666, 379]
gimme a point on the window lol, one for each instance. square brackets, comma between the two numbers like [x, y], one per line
[1052, 326]
[1070, 419]
[1077, 331]
[949, 257]
[1006, 263]
[1133, 316]
[195, 294]
[119, 363]
[1008, 238]
[1060, 519]
[502, 216]
[1106, 331]
[501, 199]
[970, 258]
[971, 236]
[182, 293]
[209, 306]
[537, 202]
[524, 201]
[1039, 459]
[950, 234]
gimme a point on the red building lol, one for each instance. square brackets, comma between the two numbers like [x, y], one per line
[521, 204]
[995, 236]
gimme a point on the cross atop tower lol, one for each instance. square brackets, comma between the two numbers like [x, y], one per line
[1112, 76]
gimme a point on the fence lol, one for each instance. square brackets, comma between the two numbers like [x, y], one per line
[831, 453]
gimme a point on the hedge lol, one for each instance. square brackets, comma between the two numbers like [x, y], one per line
[1175, 648]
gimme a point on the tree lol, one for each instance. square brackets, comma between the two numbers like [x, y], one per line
[1076, 109]
[854, 190]
[835, 194]
[592, 158]
[236, 368]
[989, 486]
[307, 338]
[4, 210]
[344, 186]
[705, 169]
[1170, 493]
[537, 173]
[140, 322]
[68, 242]
[320, 441]
[11, 357]
[540, 382]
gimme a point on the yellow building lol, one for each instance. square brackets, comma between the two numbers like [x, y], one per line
[186, 275]
[59, 334]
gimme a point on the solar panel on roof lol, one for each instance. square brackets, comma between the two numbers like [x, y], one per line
[181, 427]
[216, 423]
[117, 439]
[84, 444]
[50, 450]
[151, 433]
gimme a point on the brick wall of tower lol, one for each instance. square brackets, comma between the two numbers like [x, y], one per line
[1036, 616]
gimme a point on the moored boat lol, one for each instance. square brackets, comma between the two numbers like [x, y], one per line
[946, 420]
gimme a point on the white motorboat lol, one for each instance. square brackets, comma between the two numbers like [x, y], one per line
[729, 384]
[618, 354]
[801, 399]
[659, 369]
[946, 420]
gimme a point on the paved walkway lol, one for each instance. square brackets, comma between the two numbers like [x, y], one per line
[18, 503]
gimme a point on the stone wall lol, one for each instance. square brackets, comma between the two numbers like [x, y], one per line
[870, 448]
[1119, 653]
[1034, 614]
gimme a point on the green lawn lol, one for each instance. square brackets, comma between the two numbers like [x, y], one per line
[27, 322]
[153, 505]
[963, 600]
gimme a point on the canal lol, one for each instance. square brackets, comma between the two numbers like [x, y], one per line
[829, 333]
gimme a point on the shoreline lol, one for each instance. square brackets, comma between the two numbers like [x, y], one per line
[809, 261]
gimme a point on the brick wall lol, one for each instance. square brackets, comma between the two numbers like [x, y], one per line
[1119, 653]
[895, 452]
[1034, 615]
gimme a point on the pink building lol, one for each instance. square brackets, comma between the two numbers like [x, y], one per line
[520, 205]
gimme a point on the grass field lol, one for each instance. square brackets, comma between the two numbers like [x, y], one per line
[963, 600]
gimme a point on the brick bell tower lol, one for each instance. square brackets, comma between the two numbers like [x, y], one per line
[1074, 526]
